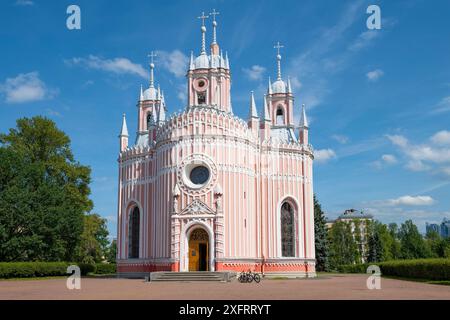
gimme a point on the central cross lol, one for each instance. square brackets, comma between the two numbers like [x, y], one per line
[203, 17]
[278, 47]
[152, 55]
[214, 14]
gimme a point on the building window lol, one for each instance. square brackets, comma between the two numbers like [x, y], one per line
[149, 119]
[280, 116]
[287, 230]
[133, 234]
[201, 97]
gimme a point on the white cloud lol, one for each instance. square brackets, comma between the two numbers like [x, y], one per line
[116, 65]
[410, 201]
[255, 72]
[26, 87]
[389, 158]
[364, 40]
[434, 156]
[374, 75]
[441, 137]
[182, 93]
[53, 113]
[295, 83]
[417, 165]
[340, 138]
[24, 3]
[442, 106]
[386, 160]
[175, 62]
[324, 155]
[398, 140]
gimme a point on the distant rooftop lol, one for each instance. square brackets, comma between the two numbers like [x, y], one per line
[355, 214]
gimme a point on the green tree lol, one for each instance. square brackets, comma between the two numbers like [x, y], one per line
[375, 245]
[321, 238]
[44, 193]
[112, 252]
[395, 247]
[380, 242]
[413, 245]
[434, 243]
[343, 247]
[94, 239]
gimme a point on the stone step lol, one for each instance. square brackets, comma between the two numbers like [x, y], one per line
[191, 276]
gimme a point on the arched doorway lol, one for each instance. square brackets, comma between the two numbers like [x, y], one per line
[198, 250]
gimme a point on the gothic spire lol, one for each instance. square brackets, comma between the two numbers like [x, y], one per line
[303, 119]
[289, 89]
[266, 110]
[124, 130]
[253, 112]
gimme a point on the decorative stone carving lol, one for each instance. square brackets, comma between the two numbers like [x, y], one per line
[200, 159]
[197, 207]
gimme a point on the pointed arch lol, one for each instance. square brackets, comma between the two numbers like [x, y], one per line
[288, 227]
[280, 115]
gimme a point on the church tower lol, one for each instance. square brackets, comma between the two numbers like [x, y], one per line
[151, 106]
[280, 98]
[209, 81]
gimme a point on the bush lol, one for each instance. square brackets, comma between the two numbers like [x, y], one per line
[105, 268]
[427, 269]
[352, 268]
[40, 269]
[86, 268]
[32, 269]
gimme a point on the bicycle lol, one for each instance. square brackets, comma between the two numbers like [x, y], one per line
[248, 277]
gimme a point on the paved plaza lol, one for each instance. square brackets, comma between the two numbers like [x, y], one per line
[323, 287]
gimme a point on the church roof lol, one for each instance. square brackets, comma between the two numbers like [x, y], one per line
[150, 94]
[279, 86]
[283, 134]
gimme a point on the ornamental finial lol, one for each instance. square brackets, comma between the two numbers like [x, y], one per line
[214, 23]
[203, 28]
[278, 46]
[152, 66]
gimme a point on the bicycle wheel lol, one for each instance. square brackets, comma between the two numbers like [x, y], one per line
[257, 278]
[249, 278]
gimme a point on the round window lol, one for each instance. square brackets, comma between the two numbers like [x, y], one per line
[199, 175]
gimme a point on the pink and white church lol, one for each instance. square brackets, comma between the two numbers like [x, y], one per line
[204, 190]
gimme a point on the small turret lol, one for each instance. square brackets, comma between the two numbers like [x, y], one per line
[303, 127]
[123, 136]
[253, 119]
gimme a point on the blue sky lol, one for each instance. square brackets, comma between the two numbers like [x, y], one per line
[378, 101]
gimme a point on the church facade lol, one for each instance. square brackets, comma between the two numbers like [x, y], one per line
[204, 190]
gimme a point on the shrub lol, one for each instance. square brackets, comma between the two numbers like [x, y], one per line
[86, 268]
[427, 269]
[32, 269]
[40, 269]
[105, 268]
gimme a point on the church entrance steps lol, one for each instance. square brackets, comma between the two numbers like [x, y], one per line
[192, 276]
